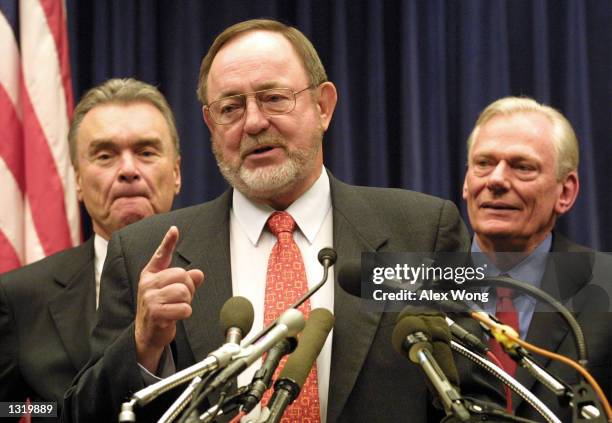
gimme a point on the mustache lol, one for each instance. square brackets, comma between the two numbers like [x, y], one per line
[248, 144]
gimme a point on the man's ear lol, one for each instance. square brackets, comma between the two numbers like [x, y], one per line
[568, 192]
[177, 175]
[465, 187]
[326, 103]
[79, 188]
[207, 119]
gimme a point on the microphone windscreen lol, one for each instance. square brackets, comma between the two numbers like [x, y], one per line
[237, 312]
[299, 363]
[434, 326]
[418, 311]
[328, 254]
[441, 336]
[407, 326]
[293, 319]
[349, 277]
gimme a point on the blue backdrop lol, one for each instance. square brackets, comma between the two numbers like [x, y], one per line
[412, 77]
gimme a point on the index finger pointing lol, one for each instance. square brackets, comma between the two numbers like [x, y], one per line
[162, 257]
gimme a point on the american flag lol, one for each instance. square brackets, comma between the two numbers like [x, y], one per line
[39, 212]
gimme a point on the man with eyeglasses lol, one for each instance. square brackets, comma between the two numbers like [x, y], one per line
[267, 103]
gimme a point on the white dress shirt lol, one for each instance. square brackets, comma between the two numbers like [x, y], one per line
[100, 249]
[250, 246]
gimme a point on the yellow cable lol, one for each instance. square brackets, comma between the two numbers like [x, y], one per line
[508, 337]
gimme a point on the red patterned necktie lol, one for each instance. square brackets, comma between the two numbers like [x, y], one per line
[507, 314]
[285, 283]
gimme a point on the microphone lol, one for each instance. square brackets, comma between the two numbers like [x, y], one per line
[349, 278]
[412, 337]
[466, 337]
[457, 331]
[434, 326]
[289, 324]
[237, 317]
[293, 375]
[327, 257]
[263, 376]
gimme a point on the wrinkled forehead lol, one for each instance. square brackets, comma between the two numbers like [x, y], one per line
[516, 134]
[117, 121]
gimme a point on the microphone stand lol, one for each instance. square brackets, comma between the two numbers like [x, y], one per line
[507, 380]
[586, 405]
[218, 359]
[327, 257]
[537, 293]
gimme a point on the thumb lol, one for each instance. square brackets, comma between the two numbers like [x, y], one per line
[163, 255]
[197, 276]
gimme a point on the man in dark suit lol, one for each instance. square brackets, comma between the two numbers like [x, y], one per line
[124, 149]
[522, 175]
[267, 103]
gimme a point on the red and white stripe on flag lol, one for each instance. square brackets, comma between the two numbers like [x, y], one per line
[39, 212]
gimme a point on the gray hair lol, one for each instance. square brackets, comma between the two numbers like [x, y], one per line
[123, 91]
[563, 136]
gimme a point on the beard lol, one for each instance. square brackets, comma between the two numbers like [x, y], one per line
[263, 183]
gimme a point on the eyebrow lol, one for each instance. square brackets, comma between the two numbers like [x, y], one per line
[104, 144]
[264, 86]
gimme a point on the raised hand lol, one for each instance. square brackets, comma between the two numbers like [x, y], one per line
[164, 297]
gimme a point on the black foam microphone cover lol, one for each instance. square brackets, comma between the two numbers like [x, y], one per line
[433, 324]
[237, 312]
[318, 326]
[349, 277]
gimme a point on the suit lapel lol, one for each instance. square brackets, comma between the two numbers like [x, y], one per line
[563, 277]
[357, 229]
[205, 246]
[73, 308]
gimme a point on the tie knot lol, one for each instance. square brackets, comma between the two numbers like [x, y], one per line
[280, 222]
[504, 292]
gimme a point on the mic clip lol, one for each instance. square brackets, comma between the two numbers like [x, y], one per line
[586, 406]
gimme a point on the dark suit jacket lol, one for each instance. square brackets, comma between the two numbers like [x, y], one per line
[47, 310]
[581, 279]
[369, 382]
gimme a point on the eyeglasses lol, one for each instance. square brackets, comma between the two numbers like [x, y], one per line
[273, 101]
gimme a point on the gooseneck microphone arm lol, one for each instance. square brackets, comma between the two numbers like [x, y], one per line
[290, 323]
[507, 380]
[236, 317]
[537, 293]
[327, 257]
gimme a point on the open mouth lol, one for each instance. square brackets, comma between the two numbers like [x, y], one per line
[262, 150]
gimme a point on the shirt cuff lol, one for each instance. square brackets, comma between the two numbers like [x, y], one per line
[166, 368]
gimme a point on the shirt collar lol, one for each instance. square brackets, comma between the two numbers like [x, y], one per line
[530, 269]
[100, 248]
[308, 211]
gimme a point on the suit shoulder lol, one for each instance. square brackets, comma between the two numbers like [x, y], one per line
[402, 199]
[562, 244]
[31, 276]
[159, 223]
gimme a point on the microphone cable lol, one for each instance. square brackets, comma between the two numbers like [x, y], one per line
[507, 282]
[503, 332]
